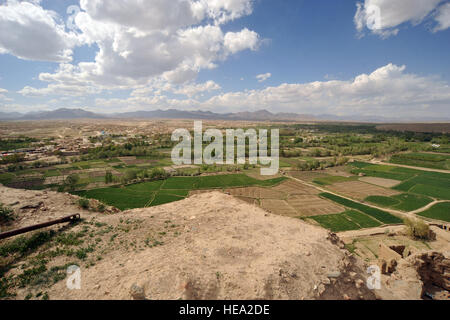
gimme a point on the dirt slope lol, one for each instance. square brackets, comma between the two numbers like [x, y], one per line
[209, 246]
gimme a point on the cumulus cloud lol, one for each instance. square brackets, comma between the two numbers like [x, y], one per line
[33, 33]
[2, 96]
[263, 77]
[378, 93]
[383, 17]
[143, 41]
[443, 18]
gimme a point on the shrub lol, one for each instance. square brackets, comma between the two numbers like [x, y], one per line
[6, 214]
[83, 203]
[101, 207]
[418, 229]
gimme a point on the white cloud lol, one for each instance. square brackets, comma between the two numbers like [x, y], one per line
[386, 91]
[141, 42]
[239, 41]
[383, 17]
[443, 17]
[263, 77]
[30, 32]
[3, 90]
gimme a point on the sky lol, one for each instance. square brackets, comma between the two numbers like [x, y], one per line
[385, 58]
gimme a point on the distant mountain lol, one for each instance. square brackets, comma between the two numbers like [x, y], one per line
[260, 115]
[62, 114]
[10, 115]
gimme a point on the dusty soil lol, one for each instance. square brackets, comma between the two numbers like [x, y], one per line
[210, 246]
[385, 183]
[360, 190]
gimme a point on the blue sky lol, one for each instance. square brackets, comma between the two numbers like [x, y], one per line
[318, 56]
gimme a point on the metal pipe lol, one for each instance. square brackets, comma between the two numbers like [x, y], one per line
[12, 233]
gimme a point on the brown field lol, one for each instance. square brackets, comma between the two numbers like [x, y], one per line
[256, 174]
[293, 187]
[360, 190]
[339, 171]
[257, 193]
[288, 199]
[386, 183]
[280, 207]
[307, 176]
[249, 200]
[307, 205]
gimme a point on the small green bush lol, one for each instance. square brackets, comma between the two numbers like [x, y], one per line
[83, 203]
[6, 214]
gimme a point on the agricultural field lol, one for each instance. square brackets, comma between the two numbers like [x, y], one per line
[147, 194]
[425, 160]
[360, 190]
[432, 184]
[380, 215]
[348, 220]
[404, 202]
[440, 211]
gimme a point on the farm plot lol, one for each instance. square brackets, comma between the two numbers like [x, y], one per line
[348, 220]
[425, 160]
[404, 202]
[379, 215]
[310, 205]
[292, 187]
[329, 180]
[307, 176]
[440, 211]
[360, 190]
[256, 193]
[436, 185]
[280, 207]
[382, 171]
[173, 189]
[381, 182]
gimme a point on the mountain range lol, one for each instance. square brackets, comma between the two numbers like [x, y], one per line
[260, 115]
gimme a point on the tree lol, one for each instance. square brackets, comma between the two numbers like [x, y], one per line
[72, 180]
[108, 177]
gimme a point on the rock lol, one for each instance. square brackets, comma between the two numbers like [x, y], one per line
[359, 283]
[32, 205]
[137, 292]
[334, 274]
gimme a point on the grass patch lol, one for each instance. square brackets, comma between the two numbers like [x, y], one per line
[425, 160]
[382, 201]
[440, 211]
[404, 202]
[329, 180]
[363, 220]
[336, 222]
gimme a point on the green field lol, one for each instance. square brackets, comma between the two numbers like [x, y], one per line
[329, 180]
[349, 220]
[425, 160]
[404, 202]
[431, 184]
[379, 215]
[440, 211]
[164, 191]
